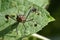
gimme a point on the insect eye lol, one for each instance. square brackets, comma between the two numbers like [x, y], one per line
[7, 16]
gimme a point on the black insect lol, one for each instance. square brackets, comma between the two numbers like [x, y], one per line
[22, 18]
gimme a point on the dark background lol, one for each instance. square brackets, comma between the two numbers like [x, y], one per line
[52, 30]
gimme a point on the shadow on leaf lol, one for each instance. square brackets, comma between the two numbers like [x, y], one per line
[8, 29]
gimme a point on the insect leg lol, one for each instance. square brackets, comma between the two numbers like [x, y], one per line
[17, 31]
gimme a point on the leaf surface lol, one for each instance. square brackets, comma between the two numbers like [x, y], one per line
[22, 7]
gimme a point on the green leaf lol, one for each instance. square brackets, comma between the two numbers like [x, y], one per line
[4, 23]
[8, 4]
[22, 7]
[41, 3]
[41, 20]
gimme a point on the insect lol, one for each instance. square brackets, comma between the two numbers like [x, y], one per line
[20, 18]
[25, 24]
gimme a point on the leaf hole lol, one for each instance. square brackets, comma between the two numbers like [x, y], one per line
[35, 25]
[33, 9]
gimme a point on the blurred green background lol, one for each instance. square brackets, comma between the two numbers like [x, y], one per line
[52, 30]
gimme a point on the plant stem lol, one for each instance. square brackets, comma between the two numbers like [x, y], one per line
[40, 37]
